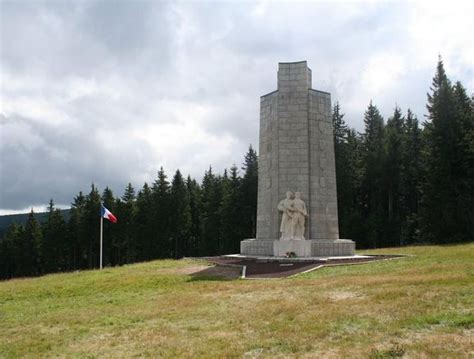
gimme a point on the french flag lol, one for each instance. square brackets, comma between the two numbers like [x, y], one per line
[104, 212]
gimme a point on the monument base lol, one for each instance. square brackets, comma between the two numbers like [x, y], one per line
[257, 247]
[332, 247]
[301, 248]
[305, 248]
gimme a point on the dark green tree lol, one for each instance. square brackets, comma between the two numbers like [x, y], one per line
[76, 235]
[125, 209]
[373, 189]
[232, 231]
[162, 245]
[28, 248]
[10, 250]
[446, 214]
[90, 227]
[394, 134]
[354, 226]
[339, 125]
[144, 229]
[111, 247]
[210, 220]
[55, 251]
[194, 198]
[411, 179]
[180, 215]
[248, 193]
[347, 149]
[465, 118]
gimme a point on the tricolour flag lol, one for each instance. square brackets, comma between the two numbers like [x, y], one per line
[104, 212]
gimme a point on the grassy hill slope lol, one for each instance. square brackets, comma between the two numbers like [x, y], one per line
[417, 306]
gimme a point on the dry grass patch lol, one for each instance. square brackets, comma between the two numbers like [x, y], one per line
[420, 306]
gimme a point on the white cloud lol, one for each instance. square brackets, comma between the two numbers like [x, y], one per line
[382, 72]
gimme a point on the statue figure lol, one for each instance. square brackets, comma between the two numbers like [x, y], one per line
[298, 216]
[287, 227]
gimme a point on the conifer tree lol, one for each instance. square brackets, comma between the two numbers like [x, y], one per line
[10, 251]
[55, 249]
[210, 219]
[180, 215]
[124, 233]
[393, 176]
[354, 223]
[346, 150]
[446, 203]
[90, 228]
[28, 248]
[411, 179]
[76, 235]
[373, 189]
[339, 125]
[194, 198]
[111, 247]
[162, 246]
[248, 193]
[144, 229]
[465, 119]
[232, 231]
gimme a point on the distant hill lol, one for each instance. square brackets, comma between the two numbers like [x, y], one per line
[7, 220]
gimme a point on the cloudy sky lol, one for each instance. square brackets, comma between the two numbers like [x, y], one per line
[109, 91]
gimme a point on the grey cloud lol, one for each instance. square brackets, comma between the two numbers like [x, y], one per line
[54, 162]
[94, 85]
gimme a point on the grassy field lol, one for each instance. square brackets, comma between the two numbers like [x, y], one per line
[418, 306]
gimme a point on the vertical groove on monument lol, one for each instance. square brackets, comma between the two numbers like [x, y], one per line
[323, 201]
[296, 154]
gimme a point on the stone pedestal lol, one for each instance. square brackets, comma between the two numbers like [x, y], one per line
[306, 248]
[332, 248]
[257, 247]
[301, 248]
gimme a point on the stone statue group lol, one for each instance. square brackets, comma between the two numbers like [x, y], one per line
[294, 215]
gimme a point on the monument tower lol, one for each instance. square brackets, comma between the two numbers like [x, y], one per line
[296, 155]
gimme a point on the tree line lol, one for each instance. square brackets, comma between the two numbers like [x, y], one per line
[163, 220]
[398, 183]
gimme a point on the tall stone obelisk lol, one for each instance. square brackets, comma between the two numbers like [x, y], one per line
[297, 154]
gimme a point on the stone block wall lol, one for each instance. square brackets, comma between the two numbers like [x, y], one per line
[296, 154]
[323, 193]
[268, 160]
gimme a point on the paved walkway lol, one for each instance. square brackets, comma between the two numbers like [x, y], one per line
[272, 267]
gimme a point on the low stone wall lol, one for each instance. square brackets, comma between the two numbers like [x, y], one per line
[319, 247]
[332, 248]
[256, 247]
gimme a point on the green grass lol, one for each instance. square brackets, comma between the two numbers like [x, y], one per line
[418, 306]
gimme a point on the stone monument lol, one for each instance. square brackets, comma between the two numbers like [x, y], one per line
[297, 198]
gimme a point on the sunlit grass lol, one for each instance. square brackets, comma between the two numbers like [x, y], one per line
[420, 305]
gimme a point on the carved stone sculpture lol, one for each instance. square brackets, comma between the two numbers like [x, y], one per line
[293, 218]
[298, 216]
[287, 226]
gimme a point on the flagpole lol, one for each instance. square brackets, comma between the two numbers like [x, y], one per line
[101, 230]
